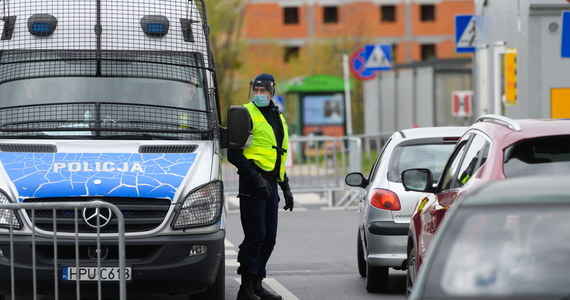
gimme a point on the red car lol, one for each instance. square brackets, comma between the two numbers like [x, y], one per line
[493, 148]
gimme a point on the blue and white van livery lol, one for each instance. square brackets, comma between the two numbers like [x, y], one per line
[114, 100]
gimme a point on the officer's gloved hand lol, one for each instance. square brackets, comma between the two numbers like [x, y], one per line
[289, 202]
[263, 187]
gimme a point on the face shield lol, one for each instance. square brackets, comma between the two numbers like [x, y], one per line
[255, 84]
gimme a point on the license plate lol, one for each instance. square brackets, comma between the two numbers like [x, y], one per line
[94, 273]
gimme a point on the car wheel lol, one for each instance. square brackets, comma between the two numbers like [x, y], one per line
[360, 256]
[376, 279]
[411, 272]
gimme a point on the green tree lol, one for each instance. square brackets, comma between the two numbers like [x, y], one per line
[225, 18]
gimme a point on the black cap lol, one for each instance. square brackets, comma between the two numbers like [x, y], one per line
[266, 81]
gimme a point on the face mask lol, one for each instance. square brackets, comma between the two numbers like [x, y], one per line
[261, 100]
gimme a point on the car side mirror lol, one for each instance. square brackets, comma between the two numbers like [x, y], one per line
[237, 135]
[419, 180]
[356, 179]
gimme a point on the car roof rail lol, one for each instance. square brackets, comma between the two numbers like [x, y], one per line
[510, 123]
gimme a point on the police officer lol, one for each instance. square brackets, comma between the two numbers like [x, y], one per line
[261, 167]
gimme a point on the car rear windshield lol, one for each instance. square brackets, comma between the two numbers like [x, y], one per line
[428, 156]
[538, 156]
[521, 250]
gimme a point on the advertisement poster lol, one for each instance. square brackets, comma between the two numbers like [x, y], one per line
[323, 109]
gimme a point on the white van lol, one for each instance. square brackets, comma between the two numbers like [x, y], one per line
[114, 100]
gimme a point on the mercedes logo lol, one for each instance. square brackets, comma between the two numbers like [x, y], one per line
[91, 215]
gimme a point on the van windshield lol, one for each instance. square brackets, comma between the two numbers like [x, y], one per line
[97, 89]
[104, 107]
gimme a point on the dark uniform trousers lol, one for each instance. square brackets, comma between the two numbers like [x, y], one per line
[259, 223]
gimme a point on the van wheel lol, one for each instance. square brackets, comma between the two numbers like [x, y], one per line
[377, 279]
[411, 272]
[218, 290]
[360, 256]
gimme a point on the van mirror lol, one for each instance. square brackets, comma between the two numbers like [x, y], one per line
[238, 132]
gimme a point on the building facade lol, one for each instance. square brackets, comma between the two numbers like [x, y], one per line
[290, 29]
[519, 70]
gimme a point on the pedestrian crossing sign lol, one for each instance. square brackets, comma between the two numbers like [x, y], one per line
[378, 57]
[464, 33]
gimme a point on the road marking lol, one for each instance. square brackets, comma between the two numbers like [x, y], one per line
[232, 263]
[230, 252]
[280, 289]
[228, 243]
[233, 201]
[276, 287]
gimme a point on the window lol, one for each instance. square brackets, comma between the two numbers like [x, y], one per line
[330, 14]
[388, 13]
[427, 12]
[427, 51]
[543, 155]
[428, 156]
[291, 15]
[449, 173]
[290, 54]
[374, 169]
[475, 157]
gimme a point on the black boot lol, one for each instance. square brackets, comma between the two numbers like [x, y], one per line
[263, 293]
[246, 288]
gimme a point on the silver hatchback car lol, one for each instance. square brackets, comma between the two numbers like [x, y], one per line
[386, 207]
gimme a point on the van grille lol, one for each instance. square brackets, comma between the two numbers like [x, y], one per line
[167, 148]
[140, 214]
[28, 148]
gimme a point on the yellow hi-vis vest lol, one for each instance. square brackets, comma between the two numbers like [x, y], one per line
[264, 149]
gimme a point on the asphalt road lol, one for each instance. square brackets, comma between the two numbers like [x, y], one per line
[315, 257]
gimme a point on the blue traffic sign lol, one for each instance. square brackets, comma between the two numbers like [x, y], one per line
[464, 33]
[279, 101]
[357, 65]
[565, 34]
[378, 57]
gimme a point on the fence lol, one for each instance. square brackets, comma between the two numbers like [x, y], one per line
[318, 164]
[55, 256]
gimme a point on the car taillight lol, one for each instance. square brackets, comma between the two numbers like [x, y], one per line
[385, 199]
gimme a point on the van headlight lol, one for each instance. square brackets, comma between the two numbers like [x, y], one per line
[8, 216]
[201, 207]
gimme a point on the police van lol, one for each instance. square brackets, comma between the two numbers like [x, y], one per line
[113, 100]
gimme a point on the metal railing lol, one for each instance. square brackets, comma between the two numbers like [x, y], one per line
[53, 242]
[318, 164]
